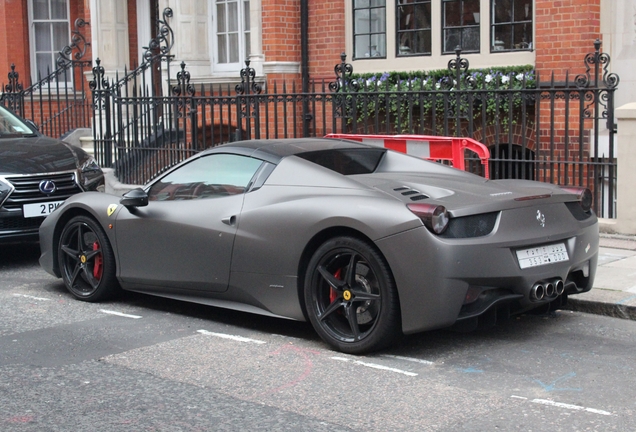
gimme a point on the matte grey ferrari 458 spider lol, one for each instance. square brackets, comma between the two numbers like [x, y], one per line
[365, 243]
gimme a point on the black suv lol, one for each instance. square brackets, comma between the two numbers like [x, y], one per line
[37, 174]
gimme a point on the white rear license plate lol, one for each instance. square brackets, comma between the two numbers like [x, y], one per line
[40, 209]
[542, 255]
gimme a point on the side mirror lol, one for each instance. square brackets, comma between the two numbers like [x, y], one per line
[33, 125]
[134, 198]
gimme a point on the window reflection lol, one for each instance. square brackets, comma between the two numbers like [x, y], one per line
[210, 176]
[369, 28]
[461, 25]
[413, 27]
[512, 25]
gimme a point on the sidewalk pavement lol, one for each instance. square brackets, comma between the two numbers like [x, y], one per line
[614, 291]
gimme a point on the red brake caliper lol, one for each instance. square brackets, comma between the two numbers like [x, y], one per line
[333, 294]
[97, 266]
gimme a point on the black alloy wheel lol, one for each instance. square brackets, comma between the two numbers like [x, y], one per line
[350, 296]
[86, 260]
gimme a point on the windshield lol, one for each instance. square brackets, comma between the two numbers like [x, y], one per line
[11, 126]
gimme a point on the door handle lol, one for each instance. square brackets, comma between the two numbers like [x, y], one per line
[229, 220]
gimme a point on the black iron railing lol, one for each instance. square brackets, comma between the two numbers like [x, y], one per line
[151, 118]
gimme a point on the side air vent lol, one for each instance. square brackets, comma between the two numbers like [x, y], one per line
[418, 197]
[414, 195]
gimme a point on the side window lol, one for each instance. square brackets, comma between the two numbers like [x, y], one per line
[413, 27]
[511, 25]
[211, 176]
[369, 28]
[50, 32]
[461, 26]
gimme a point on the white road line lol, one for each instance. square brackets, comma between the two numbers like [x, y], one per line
[31, 297]
[110, 312]
[231, 337]
[375, 366]
[411, 359]
[564, 405]
[568, 406]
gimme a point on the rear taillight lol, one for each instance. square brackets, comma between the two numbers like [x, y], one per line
[584, 196]
[435, 217]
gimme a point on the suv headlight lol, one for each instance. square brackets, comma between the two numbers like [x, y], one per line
[5, 190]
[89, 164]
[90, 173]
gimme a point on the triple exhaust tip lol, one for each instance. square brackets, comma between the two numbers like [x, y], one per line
[547, 289]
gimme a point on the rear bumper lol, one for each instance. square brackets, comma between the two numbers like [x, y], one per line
[434, 275]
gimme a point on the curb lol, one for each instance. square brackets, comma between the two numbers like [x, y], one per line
[113, 185]
[613, 310]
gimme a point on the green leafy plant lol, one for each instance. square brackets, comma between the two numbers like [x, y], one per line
[434, 101]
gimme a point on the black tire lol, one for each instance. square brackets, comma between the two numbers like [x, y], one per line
[86, 260]
[351, 298]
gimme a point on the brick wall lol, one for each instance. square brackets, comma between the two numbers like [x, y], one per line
[326, 37]
[281, 33]
[133, 44]
[565, 33]
[281, 30]
[14, 37]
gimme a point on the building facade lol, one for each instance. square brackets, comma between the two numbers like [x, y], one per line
[215, 37]
[559, 136]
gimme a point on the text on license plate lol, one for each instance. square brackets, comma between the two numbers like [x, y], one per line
[40, 209]
[542, 255]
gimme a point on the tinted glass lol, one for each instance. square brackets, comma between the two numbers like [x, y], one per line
[206, 177]
[347, 161]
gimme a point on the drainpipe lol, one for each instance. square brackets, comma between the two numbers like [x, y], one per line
[304, 66]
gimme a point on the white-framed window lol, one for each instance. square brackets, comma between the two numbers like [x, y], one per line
[49, 32]
[231, 34]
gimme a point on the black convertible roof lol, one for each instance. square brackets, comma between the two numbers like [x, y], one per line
[273, 150]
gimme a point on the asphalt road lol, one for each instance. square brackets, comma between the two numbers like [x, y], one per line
[143, 363]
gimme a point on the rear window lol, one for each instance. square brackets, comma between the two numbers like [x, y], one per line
[347, 161]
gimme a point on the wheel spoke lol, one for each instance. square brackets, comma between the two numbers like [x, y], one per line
[331, 279]
[334, 306]
[76, 272]
[352, 317]
[90, 278]
[70, 252]
[92, 253]
[360, 295]
[350, 276]
[80, 238]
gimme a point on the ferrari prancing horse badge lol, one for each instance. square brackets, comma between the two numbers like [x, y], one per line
[111, 209]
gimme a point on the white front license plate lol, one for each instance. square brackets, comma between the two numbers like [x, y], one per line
[40, 209]
[542, 255]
